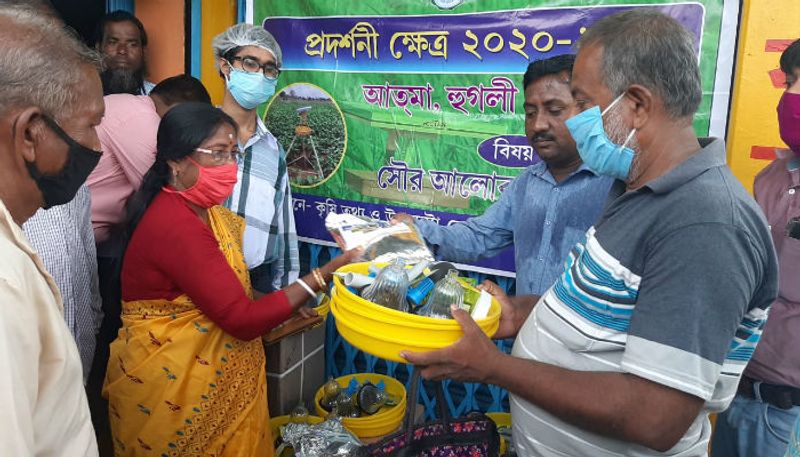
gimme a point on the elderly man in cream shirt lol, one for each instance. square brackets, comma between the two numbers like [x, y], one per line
[50, 102]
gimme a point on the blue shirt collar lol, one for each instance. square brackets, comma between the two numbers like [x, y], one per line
[541, 170]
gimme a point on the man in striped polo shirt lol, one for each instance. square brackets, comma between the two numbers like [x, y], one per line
[661, 305]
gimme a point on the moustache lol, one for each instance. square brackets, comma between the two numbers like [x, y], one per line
[542, 137]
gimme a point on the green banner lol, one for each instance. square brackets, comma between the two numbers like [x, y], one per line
[416, 106]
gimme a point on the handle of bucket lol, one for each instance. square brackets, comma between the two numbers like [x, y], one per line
[411, 404]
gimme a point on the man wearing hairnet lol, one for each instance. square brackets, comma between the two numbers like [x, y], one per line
[249, 59]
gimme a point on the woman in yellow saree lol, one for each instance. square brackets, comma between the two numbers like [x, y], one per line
[186, 374]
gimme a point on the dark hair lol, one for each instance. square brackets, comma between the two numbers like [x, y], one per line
[231, 53]
[644, 46]
[228, 55]
[790, 59]
[552, 66]
[181, 130]
[181, 89]
[118, 16]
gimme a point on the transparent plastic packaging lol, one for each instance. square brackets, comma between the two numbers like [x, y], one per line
[382, 241]
[447, 292]
[390, 287]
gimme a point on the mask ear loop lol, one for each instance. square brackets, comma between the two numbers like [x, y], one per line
[616, 100]
[628, 139]
[228, 76]
[633, 131]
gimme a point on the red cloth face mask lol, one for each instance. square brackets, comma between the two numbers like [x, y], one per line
[789, 120]
[213, 185]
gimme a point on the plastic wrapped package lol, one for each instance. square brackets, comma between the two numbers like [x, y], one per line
[382, 241]
[326, 439]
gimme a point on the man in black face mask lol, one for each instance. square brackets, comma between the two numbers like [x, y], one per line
[50, 102]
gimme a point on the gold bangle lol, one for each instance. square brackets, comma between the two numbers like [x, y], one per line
[320, 279]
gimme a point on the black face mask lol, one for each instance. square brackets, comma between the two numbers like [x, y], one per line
[62, 187]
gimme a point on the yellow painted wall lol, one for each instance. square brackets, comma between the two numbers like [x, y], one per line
[753, 130]
[163, 21]
[218, 15]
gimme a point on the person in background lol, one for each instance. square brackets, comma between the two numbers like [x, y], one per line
[187, 371]
[760, 419]
[649, 327]
[62, 236]
[121, 39]
[249, 59]
[547, 208]
[128, 138]
[50, 102]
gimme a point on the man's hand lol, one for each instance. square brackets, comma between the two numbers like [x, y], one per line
[402, 217]
[469, 359]
[513, 310]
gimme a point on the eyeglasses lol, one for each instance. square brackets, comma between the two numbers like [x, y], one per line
[250, 65]
[221, 157]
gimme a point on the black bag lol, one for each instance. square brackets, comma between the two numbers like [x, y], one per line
[472, 436]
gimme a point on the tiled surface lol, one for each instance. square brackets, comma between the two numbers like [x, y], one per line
[284, 354]
[313, 377]
[314, 339]
[289, 380]
[283, 393]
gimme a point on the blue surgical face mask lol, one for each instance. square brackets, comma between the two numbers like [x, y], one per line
[250, 89]
[597, 151]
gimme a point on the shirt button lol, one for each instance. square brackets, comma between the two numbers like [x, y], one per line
[791, 191]
[555, 189]
[541, 259]
[546, 222]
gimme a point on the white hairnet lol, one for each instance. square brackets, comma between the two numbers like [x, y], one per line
[246, 35]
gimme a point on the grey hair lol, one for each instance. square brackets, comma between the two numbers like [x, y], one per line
[245, 35]
[42, 62]
[643, 46]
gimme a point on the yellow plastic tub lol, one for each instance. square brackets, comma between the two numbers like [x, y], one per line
[384, 332]
[276, 423]
[387, 420]
[501, 420]
[324, 306]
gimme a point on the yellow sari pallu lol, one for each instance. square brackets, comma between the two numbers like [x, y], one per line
[178, 385]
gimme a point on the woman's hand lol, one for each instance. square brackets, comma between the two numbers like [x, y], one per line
[306, 313]
[345, 258]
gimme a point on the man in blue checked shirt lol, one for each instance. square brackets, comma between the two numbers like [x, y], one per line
[547, 208]
[249, 59]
